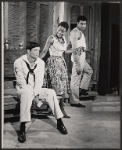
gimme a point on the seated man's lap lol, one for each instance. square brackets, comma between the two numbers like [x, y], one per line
[45, 92]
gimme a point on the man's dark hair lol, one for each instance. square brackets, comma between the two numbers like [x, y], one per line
[64, 24]
[81, 18]
[31, 45]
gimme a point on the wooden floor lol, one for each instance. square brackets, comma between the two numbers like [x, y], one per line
[93, 127]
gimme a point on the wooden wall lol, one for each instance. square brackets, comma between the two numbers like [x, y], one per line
[13, 23]
[25, 21]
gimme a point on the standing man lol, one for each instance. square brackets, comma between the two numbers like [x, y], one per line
[81, 70]
[29, 71]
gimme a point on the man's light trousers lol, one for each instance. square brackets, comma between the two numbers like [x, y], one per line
[26, 98]
[80, 81]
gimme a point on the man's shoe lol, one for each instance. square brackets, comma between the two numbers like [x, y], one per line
[83, 92]
[22, 137]
[62, 129]
[77, 105]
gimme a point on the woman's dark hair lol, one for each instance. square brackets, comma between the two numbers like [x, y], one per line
[64, 24]
[83, 18]
[30, 45]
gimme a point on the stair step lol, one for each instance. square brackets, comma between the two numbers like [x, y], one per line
[11, 102]
[10, 91]
[93, 82]
[10, 115]
[93, 86]
[112, 98]
[106, 103]
[14, 113]
[106, 109]
[93, 93]
[9, 84]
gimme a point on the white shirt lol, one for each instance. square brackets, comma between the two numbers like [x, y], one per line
[57, 49]
[80, 42]
[21, 70]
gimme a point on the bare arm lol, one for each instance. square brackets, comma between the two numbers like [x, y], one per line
[69, 48]
[39, 78]
[68, 51]
[49, 42]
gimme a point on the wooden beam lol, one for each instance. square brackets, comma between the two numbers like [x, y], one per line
[97, 38]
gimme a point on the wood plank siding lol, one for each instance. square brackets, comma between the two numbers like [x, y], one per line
[25, 21]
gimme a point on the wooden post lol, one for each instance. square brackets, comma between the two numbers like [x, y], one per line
[5, 15]
[61, 12]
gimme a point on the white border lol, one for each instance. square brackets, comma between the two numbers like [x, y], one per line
[2, 74]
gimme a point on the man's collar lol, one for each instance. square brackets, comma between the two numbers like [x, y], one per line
[26, 59]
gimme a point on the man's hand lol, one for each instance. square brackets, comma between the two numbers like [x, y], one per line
[79, 50]
[78, 69]
[36, 99]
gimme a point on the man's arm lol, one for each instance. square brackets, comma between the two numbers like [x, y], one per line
[46, 47]
[19, 74]
[39, 79]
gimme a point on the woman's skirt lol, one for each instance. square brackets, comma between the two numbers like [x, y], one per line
[57, 75]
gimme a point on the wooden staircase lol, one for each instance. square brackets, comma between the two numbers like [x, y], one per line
[12, 102]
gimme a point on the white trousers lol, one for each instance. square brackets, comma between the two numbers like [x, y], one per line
[26, 98]
[80, 81]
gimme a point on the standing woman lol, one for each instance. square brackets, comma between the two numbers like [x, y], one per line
[57, 75]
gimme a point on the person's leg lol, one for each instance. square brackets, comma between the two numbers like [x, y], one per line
[26, 98]
[51, 99]
[74, 84]
[61, 103]
[87, 74]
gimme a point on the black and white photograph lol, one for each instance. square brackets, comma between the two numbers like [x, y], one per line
[60, 74]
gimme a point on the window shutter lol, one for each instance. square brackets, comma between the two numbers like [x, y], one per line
[31, 21]
[44, 24]
[13, 24]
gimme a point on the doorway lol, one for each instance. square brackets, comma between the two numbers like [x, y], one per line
[115, 57]
[110, 48]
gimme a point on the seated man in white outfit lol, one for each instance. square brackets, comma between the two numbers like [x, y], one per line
[29, 71]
